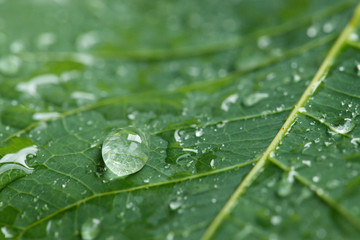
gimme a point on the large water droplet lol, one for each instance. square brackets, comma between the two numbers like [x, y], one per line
[90, 229]
[254, 99]
[125, 151]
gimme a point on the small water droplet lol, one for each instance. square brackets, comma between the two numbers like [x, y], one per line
[31, 86]
[307, 162]
[43, 116]
[212, 164]
[344, 128]
[90, 229]
[311, 32]
[225, 105]
[87, 40]
[125, 151]
[199, 132]
[190, 150]
[254, 98]
[276, 220]
[170, 236]
[296, 77]
[175, 205]
[333, 184]
[263, 42]
[353, 37]
[355, 141]
[48, 227]
[177, 135]
[45, 40]
[8, 232]
[316, 179]
[18, 160]
[10, 65]
[286, 183]
[328, 27]
[302, 110]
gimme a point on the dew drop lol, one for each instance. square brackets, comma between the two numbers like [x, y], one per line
[344, 128]
[353, 37]
[43, 116]
[48, 227]
[45, 40]
[328, 27]
[225, 105]
[17, 160]
[355, 141]
[358, 68]
[175, 205]
[125, 151]
[177, 135]
[263, 42]
[307, 162]
[90, 229]
[212, 164]
[10, 65]
[311, 32]
[199, 132]
[31, 86]
[87, 40]
[8, 233]
[170, 236]
[315, 179]
[302, 110]
[276, 220]
[254, 98]
[296, 77]
[286, 183]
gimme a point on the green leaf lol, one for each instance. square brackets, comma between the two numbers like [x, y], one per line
[251, 108]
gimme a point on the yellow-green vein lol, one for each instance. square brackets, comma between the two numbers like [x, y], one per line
[319, 76]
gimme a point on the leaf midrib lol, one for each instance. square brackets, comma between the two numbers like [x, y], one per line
[256, 170]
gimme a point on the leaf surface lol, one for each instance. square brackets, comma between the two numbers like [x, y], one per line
[252, 108]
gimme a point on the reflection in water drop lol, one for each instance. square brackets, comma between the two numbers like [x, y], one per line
[125, 151]
[90, 229]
